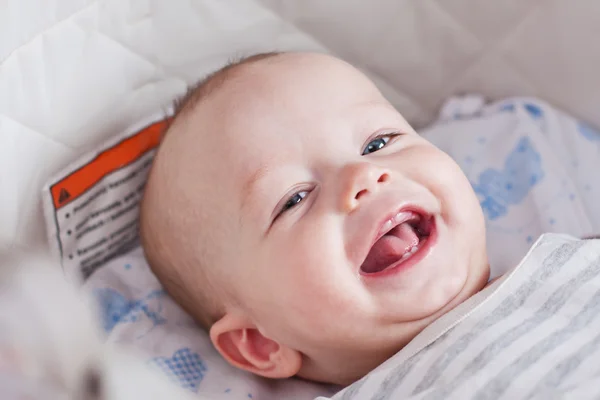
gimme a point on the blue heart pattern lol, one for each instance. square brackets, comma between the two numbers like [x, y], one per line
[499, 189]
[588, 132]
[116, 308]
[185, 368]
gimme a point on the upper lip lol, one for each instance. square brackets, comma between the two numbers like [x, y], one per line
[377, 231]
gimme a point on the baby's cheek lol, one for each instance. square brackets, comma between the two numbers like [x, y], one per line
[451, 186]
[321, 274]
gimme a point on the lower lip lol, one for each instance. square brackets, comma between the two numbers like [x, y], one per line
[402, 265]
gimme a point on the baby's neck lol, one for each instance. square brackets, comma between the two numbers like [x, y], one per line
[492, 281]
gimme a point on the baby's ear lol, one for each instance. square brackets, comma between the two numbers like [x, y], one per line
[243, 346]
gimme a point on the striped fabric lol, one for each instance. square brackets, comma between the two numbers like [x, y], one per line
[533, 334]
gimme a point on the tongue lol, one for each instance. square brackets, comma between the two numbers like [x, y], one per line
[390, 248]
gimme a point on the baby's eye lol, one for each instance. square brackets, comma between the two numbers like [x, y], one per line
[295, 199]
[378, 143]
[292, 202]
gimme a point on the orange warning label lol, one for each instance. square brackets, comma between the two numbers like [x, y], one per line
[110, 160]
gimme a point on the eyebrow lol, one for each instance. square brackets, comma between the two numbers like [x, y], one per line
[250, 185]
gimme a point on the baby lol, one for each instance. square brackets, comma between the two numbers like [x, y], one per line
[302, 221]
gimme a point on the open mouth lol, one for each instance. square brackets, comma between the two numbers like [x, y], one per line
[399, 239]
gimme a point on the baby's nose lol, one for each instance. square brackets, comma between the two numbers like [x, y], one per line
[359, 180]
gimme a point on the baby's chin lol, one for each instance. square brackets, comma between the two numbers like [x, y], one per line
[467, 275]
[474, 280]
[431, 295]
[351, 366]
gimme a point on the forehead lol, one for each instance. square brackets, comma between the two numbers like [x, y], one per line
[282, 100]
[270, 112]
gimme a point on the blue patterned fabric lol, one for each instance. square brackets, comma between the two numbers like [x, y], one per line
[117, 309]
[532, 167]
[184, 367]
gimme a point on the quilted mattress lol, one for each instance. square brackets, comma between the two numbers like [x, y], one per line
[75, 72]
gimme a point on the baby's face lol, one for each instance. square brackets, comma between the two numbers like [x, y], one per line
[347, 232]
